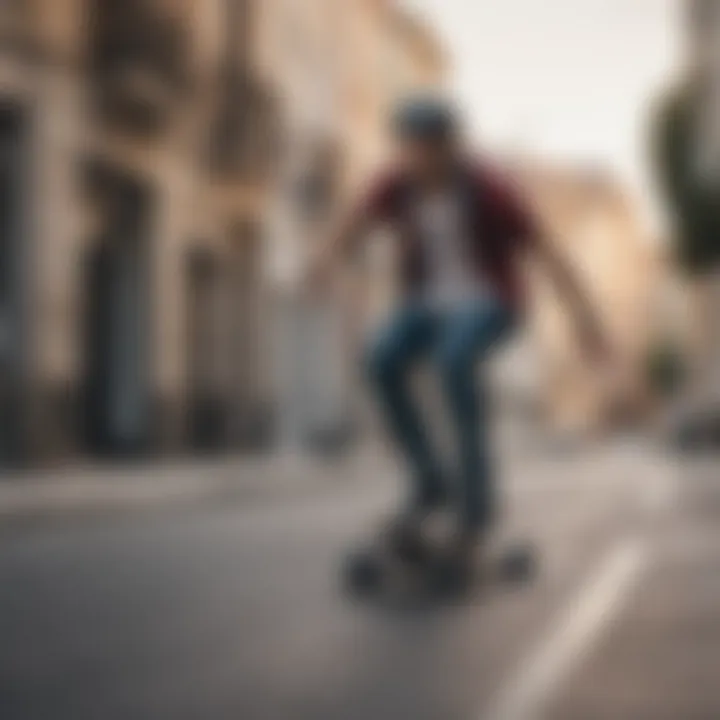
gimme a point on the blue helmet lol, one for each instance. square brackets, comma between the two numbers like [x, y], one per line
[424, 118]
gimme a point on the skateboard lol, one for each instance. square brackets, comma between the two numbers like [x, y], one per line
[436, 571]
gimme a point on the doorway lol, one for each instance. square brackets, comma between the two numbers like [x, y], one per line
[14, 169]
[251, 413]
[117, 397]
[207, 416]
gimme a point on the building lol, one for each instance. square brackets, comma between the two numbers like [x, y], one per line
[149, 148]
[393, 54]
[596, 226]
[341, 67]
[141, 144]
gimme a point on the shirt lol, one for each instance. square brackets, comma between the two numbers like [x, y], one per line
[498, 227]
[450, 277]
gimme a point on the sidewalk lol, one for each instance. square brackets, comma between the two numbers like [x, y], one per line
[95, 488]
[127, 486]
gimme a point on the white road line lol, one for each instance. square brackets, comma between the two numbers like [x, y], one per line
[572, 636]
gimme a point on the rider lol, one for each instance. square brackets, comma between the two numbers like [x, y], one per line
[463, 234]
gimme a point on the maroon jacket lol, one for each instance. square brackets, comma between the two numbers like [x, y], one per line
[500, 228]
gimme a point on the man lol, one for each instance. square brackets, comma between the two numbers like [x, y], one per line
[463, 236]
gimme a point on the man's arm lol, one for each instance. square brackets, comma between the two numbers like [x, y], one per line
[353, 226]
[522, 223]
[346, 234]
[586, 321]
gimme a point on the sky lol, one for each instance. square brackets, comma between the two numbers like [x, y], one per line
[567, 79]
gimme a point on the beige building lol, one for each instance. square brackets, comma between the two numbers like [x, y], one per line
[341, 67]
[392, 54]
[143, 140]
[149, 146]
[596, 225]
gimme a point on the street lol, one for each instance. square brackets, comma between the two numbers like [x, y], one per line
[231, 607]
[237, 235]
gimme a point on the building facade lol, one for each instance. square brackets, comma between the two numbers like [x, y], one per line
[341, 67]
[596, 226]
[149, 149]
[143, 139]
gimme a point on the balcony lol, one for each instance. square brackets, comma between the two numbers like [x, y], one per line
[139, 63]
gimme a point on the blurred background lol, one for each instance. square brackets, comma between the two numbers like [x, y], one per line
[166, 169]
[168, 166]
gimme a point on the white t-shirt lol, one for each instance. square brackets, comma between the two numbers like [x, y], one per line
[451, 277]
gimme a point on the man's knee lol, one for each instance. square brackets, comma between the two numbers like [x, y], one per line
[382, 362]
[456, 366]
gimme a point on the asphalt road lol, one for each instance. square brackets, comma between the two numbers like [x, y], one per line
[232, 609]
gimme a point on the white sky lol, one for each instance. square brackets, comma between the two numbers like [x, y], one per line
[566, 78]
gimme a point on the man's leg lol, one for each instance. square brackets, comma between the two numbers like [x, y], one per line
[390, 357]
[467, 336]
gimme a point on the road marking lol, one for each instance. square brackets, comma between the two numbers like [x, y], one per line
[571, 637]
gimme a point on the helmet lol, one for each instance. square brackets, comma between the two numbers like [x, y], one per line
[424, 118]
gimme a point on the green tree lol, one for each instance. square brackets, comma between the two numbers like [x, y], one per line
[694, 203]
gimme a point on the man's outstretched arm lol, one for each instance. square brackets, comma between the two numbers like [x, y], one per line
[585, 319]
[345, 235]
[525, 225]
[374, 206]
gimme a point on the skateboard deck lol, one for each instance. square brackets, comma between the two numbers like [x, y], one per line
[376, 570]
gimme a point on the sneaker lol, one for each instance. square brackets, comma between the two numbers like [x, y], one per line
[469, 547]
[406, 535]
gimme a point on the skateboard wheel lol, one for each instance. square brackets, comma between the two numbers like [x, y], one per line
[407, 546]
[450, 576]
[363, 574]
[518, 565]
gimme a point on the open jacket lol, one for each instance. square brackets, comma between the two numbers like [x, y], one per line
[498, 228]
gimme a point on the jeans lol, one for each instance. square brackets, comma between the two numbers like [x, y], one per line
[456, 340]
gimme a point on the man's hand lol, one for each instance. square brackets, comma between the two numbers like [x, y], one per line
[321, 267]
[612, 375]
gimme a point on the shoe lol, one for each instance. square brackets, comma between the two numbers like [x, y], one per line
[469, 548]
[406, 534]
[406, 537]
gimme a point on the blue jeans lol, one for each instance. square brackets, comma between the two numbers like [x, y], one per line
[456, 340]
